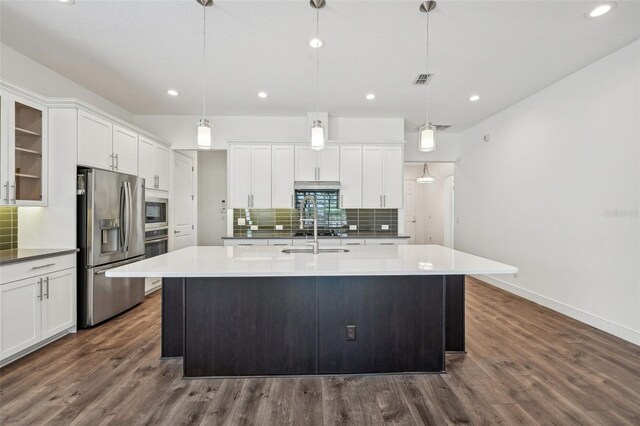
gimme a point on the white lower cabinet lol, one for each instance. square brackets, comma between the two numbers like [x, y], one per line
[34, 309]
[246, 242]
[152, 284]
[386, 241]
[352, 242]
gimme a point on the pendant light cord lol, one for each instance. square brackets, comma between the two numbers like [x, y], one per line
[204, 61]
[428, 77]
[317, 63]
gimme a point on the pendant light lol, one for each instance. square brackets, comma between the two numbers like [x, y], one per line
[426, 176]
[317, 131]
[204, 128]
[427, 132]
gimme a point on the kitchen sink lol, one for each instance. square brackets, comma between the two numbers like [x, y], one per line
[310, 250]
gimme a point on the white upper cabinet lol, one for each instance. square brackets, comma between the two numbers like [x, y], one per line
[95, 141]
[125, 150]
[105, 145]
[382, 177]
[312, 165]
[282, 176]
[23, 152]
[350, 177]
[153, 164]
[250, 176]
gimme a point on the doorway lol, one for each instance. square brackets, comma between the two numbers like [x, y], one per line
[183, 202]
[429, 207]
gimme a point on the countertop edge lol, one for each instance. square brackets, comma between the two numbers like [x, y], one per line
[322, 238]
[53, 253]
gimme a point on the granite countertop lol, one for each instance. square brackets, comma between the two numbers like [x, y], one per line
[262, 261]
[280, 237]
[23, 255]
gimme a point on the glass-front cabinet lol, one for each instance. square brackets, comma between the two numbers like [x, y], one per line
[23, 154]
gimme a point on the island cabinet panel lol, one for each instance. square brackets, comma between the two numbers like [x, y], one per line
[399, 324]
[172, 317]
[454, 314]
[250, 326]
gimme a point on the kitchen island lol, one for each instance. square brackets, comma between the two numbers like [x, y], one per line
[253, 311]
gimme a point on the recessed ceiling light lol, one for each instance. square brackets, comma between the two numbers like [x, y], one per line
[263, 94]
[67, 1]
[316, 43]
[602, 9]
[172, 92]
[474, 98]
[371, 97]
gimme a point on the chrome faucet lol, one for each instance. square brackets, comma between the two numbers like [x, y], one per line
[314, 244]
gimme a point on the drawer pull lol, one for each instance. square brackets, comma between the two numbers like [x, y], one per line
[44, 266]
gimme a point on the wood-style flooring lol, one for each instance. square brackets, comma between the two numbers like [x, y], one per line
[525, 365]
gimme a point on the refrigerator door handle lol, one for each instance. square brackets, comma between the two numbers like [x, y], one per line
[129, 216]
[121, 233]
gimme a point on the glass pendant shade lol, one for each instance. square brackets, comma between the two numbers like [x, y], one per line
[204, 134]
[427, 138]
[426, 179]
[317, 135]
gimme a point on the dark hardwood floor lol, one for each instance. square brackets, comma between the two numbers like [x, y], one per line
[525, 365]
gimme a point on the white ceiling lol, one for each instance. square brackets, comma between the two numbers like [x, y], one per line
[130, 52]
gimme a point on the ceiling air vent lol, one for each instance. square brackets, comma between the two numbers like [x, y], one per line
[422, 79]
[441, 127]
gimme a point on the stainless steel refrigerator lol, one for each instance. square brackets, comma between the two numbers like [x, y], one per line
[110, 234]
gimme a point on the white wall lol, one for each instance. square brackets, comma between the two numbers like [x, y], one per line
[29, 74]
[537, 195]
[429, 201]
[212, 189]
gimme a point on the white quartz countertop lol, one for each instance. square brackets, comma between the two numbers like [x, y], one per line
[260, 261]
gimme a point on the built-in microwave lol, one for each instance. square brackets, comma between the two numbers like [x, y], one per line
[156, 213]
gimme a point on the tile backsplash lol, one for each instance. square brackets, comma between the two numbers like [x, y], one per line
[369, 222]
[8, 228]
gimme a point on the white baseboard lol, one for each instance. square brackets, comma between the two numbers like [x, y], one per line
[610, 327]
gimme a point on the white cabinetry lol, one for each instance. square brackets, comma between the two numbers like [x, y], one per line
[350, 177]
[34, 308]
[250, 176]
[105, 145]
[382, 175]
[282, 172]
[23, 151]
[153, 164]
[246, 242]
[125, 150]
[321, 165]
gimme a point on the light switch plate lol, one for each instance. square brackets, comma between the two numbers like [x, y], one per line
[279, 227]
[241, 221]
[385, 227]
[353, 227]
[254, 227]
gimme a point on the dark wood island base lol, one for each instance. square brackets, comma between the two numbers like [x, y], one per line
[262, 326]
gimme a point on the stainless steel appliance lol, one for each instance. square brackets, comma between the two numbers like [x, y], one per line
[155, 213]
[156, 242]
[110, 234]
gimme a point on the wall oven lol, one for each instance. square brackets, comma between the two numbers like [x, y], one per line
[156, 213]
[156, 242]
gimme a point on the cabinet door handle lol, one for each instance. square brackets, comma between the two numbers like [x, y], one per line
[384, 201]
[39, 289]
[43, 266]
[13, 187]
[6, 187]
[387, 244]
[117, 162]
[380, 200]
[46, 281]
[341, 201]
[292, 201]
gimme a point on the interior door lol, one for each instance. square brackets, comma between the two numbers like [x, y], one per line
[410, 210]
[125, 149]
[183, 201]
[372, 179]
[261, 176]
